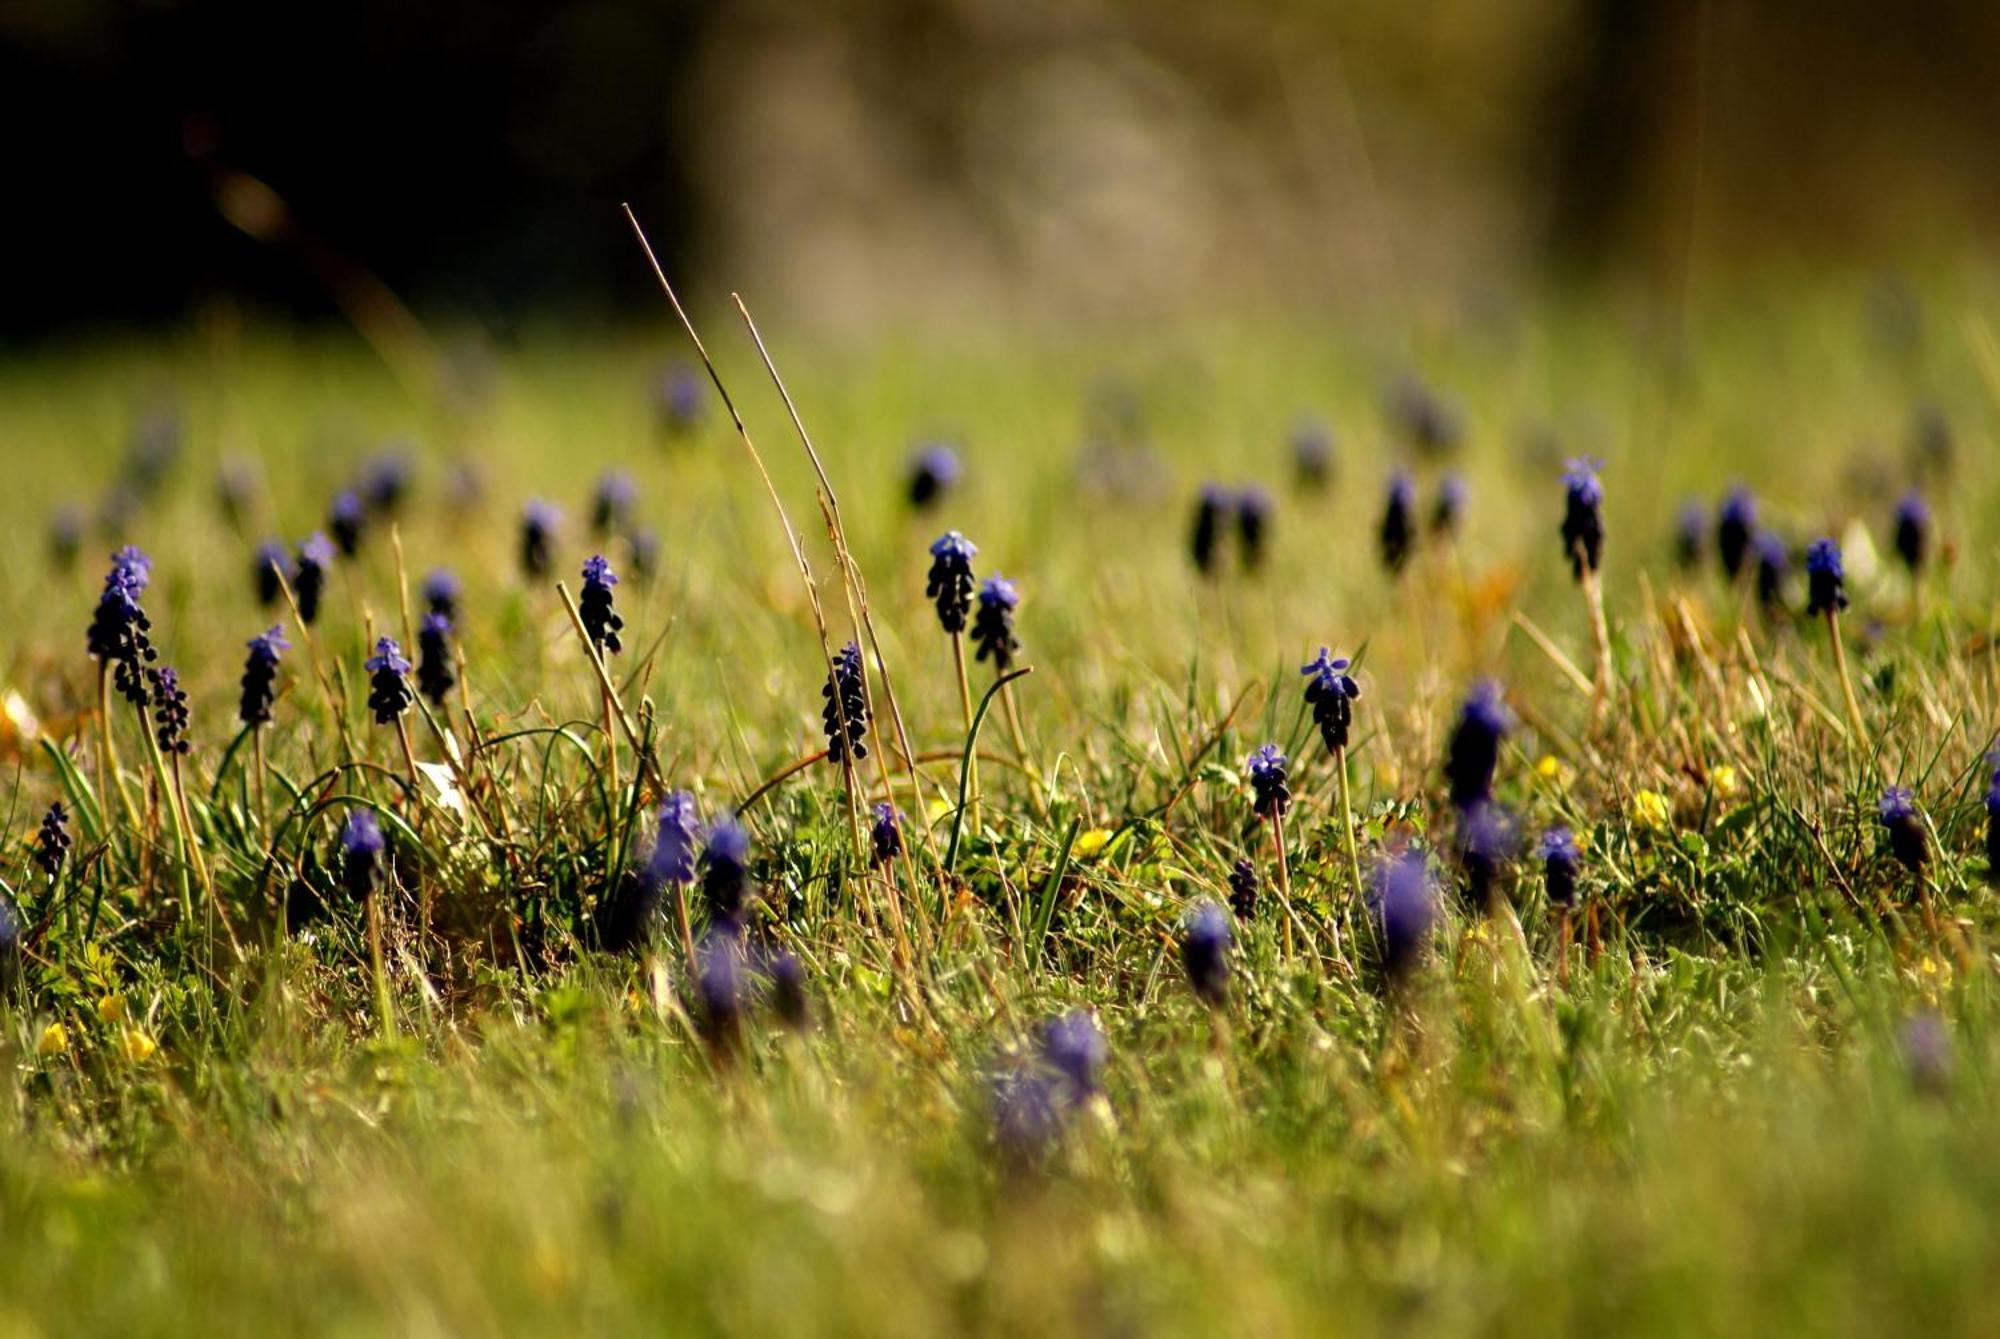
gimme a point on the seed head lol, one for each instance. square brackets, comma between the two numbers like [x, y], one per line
[389, 693]
[600, 620]
[950, 583]
[993, 625]
[1331, 692]
[1399, 525]
[1826, 580]
[260, 676]
[1205, 941]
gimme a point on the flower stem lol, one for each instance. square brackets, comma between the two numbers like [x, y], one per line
[1846, 683]
[1284, 876]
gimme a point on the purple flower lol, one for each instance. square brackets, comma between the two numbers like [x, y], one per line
[385, 478]
[1399, 524]
[1072, 1045]
[1449, 506]
[1561, 862]
[950, 583]
[1205, 941]
[1913, 531]
[1774, 564]
[934, 470]
[52, 843]
[885, 835]
[1428, 422]
[346, 521]
[845, 714]
[1269, 780]
[1331, 692]
[1690, 534]
[1735, 530]
[1027, 1113]
[1583, 522]
[1487, 837]
[1474, 751]
[600, 620]
[538, 529]
[721, 984]
[1993, 824]
[271, 566]
[120, 635]
[361, 851]
[788, 992]
[1826, 580]
[993, 626]
[441, 592]
[1253, 522]
[1243, 891]
[725, 874]
[389, 693]
[66, 535]
[674, 849]
[1312, 454]
[260, 674]
[679, 399]
[1927, 1055]
[644, 542]
[309, 576]
[1897, 812]
[170, 711]
[1404, 909]
[1211, 505]
[611, 504]
[434, 663]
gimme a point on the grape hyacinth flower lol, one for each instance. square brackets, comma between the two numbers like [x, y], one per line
[721, 986]
[950, 583]
[1993, 827]
[1072, 1047]
[1205, 941]
[1913, 531]
[679, 399]
[934, 470]
[1399, 524]
[170, 711]
[1690, 535]
[1735, 530]
[600, 620]
[1561, 862]
[52, 843]
[1897, 812]
[1331, 692]
[644, 546]
[120, 633]
[389, 693]
[1448, 507]
[1583, 521]
[626, 919]
[260, 676]
[385, 479]
[538, 527]
[1312, 455]
[1404, 910]
[346, 522]
[1269, 777]
[885, 835]
[725, 870]
[673, 858]
[1474, 751]
[1211, 505]
[611, 504]
[1253, 523]
[361, 853]
[1243, 890]
[268, 571]
[1926, 1048]
[788, 991]
[66, 535]
[1826, 580]
[1487, 837]
[1774, 564]
[441, 592]
[1026, 1114]
[1428, 422]
[434, 663]
[993, 626]
[846, 711]
[315, 559]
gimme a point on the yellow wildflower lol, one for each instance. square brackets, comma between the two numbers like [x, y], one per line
[1650, 809]
[1726, 782]
[137, 1044]
[53, 1041]
[111, 1008]
[1093, 841]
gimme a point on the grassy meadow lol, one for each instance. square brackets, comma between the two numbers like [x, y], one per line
[1749, 1086]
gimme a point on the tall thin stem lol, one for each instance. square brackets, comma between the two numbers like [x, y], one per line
[1284, 876]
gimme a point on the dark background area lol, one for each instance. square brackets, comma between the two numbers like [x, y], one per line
[471, 153]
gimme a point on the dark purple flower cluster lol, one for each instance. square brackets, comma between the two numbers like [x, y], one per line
[539, 520]
[600, 620]
[1270, 782]
[1735, 530]
[1398, 531]
[441, 592]
[885, 834]
[170, 711]
[1214, 509]
[52, 842]
[120, 635]
[1205, 941]
[725, 869]
[435, 677]
[1487, 838]
[1913, 531]
[993, 626]
[934, 471]
[1774, 565]
[1404, 909]
[260, 676]
[1690, 535]
[611, 503]
[950, 582]
[1561, 862]
[1826, 579]
[1448, 507]
[315, 560]
[1331, 692]
[1473, 754]
[673, 858]
[389, 694]
[1243, 889]
[361, 848]
[268, 571]
[347, 521]
[845, 714]
[1897, 811]
[1993, 825]
[1583, 520]
[1253, 523]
